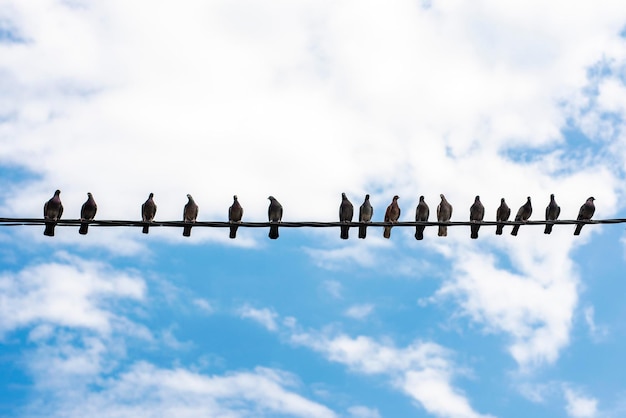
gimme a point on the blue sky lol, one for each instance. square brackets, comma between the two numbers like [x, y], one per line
[304, 100]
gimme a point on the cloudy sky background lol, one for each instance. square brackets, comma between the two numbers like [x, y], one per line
[304, 100]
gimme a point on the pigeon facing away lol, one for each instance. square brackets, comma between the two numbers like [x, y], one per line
[148, 211]
[502, 215]
[585, 213]
[366, 211]
[346, 212]
[52, 211]
[552, 214]
[421, 214]
[477, 213]
[274, 214]
[235, 213]
[444, 213]
[190, 213]
[392, 214]
[87, 213]
[523, 214]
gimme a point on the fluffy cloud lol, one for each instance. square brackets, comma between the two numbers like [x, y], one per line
[579, 405]
[265, 316]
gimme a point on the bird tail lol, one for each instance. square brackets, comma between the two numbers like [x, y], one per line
[233, 232]
[443, 231]
[474, 231]
[548, 229]
[499, 229]
[84, 226]
[344, 232]
[514, 230]
[273, 232]
[187, 231]
[49, 230]
[362, 231]
[387, 232]
[145, 229]
[578, 228]
[419, 232]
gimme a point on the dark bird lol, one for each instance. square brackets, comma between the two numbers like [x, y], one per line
[392, 214]
[87, 213]
[523, 214]
[235, 213]
[502, 215]
[52, 211]
[148, 211]
[585, 213]
[552, 214]
[274, 214]
[190, 214]
[421, 214]
[444, 213]
[346, 212]
[366, 211]
[477, 213]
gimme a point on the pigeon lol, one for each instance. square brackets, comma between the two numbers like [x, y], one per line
[502, 215]
[148, 210]
[365, 215]
[392, 214]
[52, 211]
[87, 213]
[552, 214]
[235, 213]
[421, 214]
[523, 214]
[274, 214]
[477, 213]
[346, 212]
[585, 213]
[444, 213]
[190, 213]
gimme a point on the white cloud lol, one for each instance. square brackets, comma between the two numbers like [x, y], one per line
[359, 311]
[265, 316]
[596, 332]
[204, 305]
[363, 412]
[333, 288]
[579, 405]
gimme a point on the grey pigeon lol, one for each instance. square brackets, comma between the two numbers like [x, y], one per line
[392, 214]
[52, 211]
[477, 213]
[523, 214]
[444, 213]
[366, 211]
[552, 214]
[346, 212]
[585, 213]
[148, 211]
[87, 213]
[235, 213]
[421, 215]
[502, 215]
[274, 214]
[190, 214]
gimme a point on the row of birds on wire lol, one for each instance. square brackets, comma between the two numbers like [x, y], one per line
[53, 209]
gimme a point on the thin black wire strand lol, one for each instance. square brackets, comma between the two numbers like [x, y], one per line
[305, 224]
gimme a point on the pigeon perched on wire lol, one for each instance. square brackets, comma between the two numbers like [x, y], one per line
[87, 213]
[275, 215]
[235, 213]
[346, 212]
[477, 213]
[444, 213]
[523, 214]
[392, 214]
[552, 214]
[190, 214]
[585, 213]
[148, 211]
[366, 211]
[52, 211]
[421, 215]
[502, 215]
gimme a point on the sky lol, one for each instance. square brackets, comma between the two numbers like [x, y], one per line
[304, 100]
